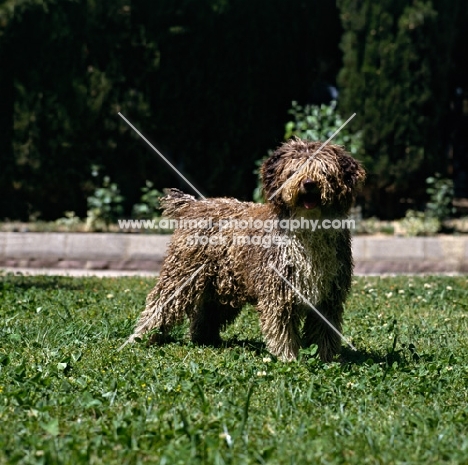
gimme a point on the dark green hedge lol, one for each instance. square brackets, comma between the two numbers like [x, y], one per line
[209, 82]
[401, 68]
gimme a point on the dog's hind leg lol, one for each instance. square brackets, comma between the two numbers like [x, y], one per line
[208, 319]
[159, 314]
[167, 305]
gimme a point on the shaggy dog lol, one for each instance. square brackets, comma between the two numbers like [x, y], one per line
[210, 274]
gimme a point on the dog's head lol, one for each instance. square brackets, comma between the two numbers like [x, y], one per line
[298, 179]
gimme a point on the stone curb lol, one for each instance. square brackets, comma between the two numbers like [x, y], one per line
[440, 254]
[94, 251]
[141, 252]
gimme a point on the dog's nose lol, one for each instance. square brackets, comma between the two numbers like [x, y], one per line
[308, 184]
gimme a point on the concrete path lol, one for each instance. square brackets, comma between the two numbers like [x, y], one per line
[142, 254]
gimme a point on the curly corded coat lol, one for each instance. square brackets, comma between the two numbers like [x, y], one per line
[210, 281]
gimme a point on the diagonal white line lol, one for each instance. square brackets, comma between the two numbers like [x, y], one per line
[334, 134]
[315, 153]
[176, 293]
[162, 156]
[311, 306]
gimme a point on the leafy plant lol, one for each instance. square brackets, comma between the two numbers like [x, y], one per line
[441, 193]
[416, 223]
[105, 205]
[149, 206]
[70, 221]
[439, 208]
[373, 226]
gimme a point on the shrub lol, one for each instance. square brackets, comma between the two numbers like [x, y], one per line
[105, 205]
[419, 224]
[149, 206]
[441, 193]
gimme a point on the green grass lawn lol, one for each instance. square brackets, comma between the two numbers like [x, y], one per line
[68, 396]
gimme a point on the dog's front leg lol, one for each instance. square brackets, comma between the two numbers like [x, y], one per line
[326, 331]
[281, 332]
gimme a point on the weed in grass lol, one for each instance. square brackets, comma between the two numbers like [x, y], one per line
[67, 396]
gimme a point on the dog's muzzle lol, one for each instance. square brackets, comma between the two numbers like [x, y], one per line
[309, 195]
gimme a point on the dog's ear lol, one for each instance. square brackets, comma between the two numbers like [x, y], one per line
[349, 183]
[353, 173]
[269, 175]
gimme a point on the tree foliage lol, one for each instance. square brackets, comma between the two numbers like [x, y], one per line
[397, 63]
[209, 82]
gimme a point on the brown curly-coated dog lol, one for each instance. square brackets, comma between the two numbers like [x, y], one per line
[210, 274]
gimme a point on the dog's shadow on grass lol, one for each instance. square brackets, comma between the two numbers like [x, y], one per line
[347, 356]
[361, 357]
[254, 345]
[365, 357]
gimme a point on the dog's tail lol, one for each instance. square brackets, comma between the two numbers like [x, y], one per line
[176, 202]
